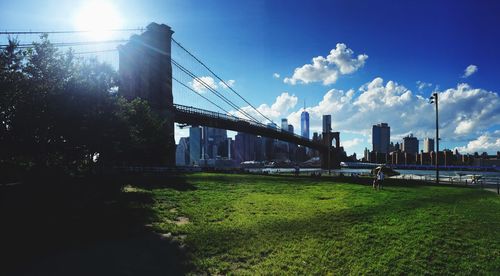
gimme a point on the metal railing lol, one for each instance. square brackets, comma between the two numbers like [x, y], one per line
[217, 115]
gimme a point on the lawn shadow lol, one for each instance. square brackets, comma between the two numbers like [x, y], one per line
[83, 226]
[177, 182]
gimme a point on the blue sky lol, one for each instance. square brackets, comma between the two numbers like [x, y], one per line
[404, 42]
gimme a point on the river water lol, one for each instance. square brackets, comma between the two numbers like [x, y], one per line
[457, 176]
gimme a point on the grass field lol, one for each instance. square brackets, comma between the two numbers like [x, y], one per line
[247, 224]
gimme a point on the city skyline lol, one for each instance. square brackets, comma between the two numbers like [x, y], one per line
[373, 67]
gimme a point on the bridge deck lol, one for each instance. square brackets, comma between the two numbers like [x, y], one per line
[196, 116]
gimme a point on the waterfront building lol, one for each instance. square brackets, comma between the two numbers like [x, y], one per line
[381, 136]
[284, 124]
[410, 144]
[244, 148]
[195, 146]
[327, 123]
[260, 153]
[366, 155]
[182, 152]
[269, 144]
[428, 144]
[212, 141]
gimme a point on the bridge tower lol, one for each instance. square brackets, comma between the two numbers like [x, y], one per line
[330, 159]
[145, 71]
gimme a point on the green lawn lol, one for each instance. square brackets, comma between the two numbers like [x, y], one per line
[246, 224]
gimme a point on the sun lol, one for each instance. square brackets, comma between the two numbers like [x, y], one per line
[98, 18]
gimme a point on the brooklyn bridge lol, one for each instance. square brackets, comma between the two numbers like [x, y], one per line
[157, 68]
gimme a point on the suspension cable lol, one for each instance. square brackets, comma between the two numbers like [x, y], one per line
[222, 97]
[220, 79]
[192, 90]
[217, 93]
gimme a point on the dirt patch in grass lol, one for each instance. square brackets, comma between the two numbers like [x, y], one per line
[179, 221]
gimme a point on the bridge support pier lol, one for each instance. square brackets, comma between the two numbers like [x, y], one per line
[330, 157]
[145, 71]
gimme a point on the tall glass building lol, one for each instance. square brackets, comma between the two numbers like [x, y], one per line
[194, 145]
[327, 123]
[304, 124]
[381, 137]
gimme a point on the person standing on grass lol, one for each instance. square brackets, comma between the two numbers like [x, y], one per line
[380, 179]
[375, 181]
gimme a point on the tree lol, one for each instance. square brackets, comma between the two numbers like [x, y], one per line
[59, 111]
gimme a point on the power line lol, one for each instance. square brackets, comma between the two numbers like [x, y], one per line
[220, 79]
[67, 32]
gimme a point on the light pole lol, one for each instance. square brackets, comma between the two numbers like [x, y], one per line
[329, 167]
[434, 99]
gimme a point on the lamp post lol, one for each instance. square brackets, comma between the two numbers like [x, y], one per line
[434, 99]
[329, 166]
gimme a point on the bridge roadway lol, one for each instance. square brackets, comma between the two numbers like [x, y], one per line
[196, 116]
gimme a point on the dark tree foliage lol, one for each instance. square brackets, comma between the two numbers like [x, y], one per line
[63, 112]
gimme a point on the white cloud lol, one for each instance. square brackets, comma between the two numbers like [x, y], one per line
[464, 127]
[341, 56]
[281, 106]
[464, 112]
[421, 85]
[230, 83]
[349, 145]
[471, 69]
[284, 102]
[489, 142]
[198, 84]
[327, 70]
[276, 76]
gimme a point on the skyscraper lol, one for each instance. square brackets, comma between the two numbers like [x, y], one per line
[269, 144]
[304, 124]
[182, 152]
[194, 145]
[366, 155]
[212, 140]
[381, 136]
[260, 152]
[244, 147]
[284, 124]
[410, 144]
[292, 148]
[428, 144]
[327, 123]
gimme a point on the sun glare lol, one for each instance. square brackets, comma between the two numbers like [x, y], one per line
[98, 17]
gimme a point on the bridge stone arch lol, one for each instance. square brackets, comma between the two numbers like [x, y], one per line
[330, 157]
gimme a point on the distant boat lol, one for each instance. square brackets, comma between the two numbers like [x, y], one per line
[386, 170]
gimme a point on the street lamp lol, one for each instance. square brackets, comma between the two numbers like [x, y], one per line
[434, 99]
